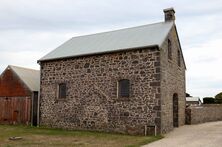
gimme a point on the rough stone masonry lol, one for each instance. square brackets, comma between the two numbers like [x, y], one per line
[92, 101]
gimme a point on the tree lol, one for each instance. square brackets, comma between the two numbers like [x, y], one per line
[208, 100]
[218, 98]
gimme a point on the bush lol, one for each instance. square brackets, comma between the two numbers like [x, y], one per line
[218, 98]
[188, 95]
[208, 100]
[218, 101]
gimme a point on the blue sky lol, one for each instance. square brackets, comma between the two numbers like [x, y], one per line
[31, 29]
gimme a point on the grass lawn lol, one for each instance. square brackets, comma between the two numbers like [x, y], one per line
[44, 137]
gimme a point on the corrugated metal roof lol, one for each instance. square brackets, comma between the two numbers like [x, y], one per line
[192, 99]
[141, 36]
[30, 77]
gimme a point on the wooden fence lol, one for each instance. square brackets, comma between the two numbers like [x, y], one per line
[15, 110]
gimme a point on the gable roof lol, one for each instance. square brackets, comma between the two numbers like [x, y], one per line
[129, 38]
[30, 77]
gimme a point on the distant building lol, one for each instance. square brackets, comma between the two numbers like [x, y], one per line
[193, 101]
[128, 81]
[19, 89]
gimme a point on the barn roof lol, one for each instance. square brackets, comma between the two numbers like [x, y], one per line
[129, 38]
[30, 77]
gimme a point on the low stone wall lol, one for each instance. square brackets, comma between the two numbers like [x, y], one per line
[204, 113]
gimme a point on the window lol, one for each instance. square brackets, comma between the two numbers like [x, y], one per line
[123, 88]
[62, 91]
[169, 49]
[178, 58]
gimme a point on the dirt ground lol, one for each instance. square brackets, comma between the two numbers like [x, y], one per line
[201, 135]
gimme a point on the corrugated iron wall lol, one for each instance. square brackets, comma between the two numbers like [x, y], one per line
[15, 110]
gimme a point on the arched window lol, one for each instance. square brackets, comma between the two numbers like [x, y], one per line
[175, 110]
[123, 88]
[178, 58]
[169, 49]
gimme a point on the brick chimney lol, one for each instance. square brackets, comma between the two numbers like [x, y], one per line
[169, 14]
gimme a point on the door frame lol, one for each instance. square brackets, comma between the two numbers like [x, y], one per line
[175, 110]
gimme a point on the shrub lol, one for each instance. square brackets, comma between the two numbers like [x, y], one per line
[188, 95]
[218, 101]
[208, 100]
[218, 98]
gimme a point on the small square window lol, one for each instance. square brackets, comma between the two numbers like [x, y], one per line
[123, 88]
[62, 91]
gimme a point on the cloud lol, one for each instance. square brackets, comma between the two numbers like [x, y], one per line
[20, 40]
[66, 14]
[24, 48]
[31, 29]
[19, 59]
[203, 68]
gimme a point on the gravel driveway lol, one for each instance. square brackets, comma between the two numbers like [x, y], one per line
[201, 135]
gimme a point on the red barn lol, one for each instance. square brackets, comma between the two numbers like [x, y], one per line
[19, 95]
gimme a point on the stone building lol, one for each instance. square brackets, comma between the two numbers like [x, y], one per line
[128, 81]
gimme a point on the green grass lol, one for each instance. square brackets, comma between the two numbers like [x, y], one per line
[45, 137]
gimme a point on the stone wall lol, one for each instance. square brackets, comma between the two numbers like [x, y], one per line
[92, 102]
[172, 82]
[204, 113]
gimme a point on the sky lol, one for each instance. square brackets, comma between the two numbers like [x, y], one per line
[29, 29]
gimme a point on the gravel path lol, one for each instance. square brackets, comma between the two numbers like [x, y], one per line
[201, 135]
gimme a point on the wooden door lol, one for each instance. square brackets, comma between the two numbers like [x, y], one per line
[15, 110]
[35, 104]
[175, 111]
